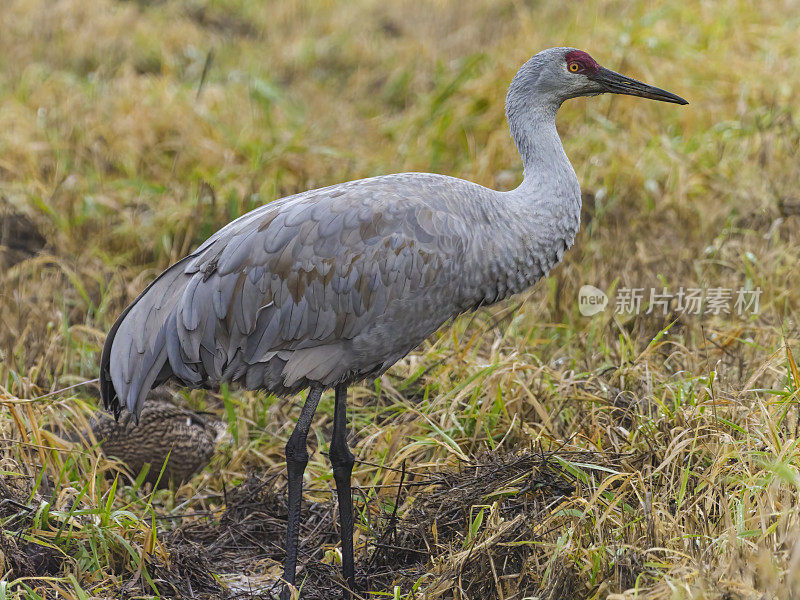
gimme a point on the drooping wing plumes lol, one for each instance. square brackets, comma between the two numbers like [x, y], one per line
[322, 287]
[134, 352]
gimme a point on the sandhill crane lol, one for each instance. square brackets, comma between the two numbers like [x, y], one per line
[332, 286]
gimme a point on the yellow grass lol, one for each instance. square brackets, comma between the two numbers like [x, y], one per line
[125, 156]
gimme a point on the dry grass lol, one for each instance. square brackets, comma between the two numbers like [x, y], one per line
[667, 444]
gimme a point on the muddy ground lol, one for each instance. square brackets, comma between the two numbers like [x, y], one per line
[237, 552]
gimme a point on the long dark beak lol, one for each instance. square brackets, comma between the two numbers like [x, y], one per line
[615, 83]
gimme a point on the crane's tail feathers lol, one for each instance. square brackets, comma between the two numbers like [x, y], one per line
[135, 354]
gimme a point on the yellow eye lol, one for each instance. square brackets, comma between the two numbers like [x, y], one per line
[574, 67]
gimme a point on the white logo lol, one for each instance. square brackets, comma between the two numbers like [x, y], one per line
[591, 300]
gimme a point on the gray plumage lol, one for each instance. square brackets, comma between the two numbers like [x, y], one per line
[337, 284]
[334, 285]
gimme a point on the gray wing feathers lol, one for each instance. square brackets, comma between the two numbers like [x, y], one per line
[135, 352]
[287, 294]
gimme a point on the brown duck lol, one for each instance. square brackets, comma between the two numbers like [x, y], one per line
[184, 439]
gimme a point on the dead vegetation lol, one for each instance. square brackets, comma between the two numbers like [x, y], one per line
[526, 451]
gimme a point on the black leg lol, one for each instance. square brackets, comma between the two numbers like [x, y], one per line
[296, 461]
[342, 460]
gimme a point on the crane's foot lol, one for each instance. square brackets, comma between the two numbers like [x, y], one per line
[350, 588]
[286, 592]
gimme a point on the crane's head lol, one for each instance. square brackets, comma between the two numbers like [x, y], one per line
[558, 74]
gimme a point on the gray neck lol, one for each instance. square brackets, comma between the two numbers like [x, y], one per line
[541, 217]
[531, 119]
[537, 140]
